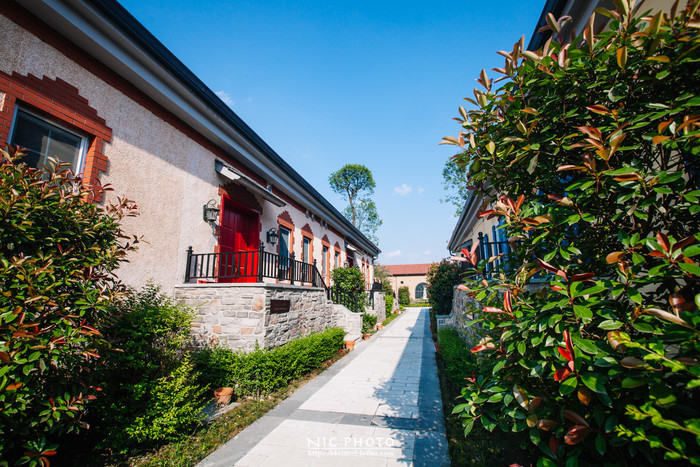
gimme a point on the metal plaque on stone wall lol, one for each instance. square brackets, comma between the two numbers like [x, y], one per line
[279, 306]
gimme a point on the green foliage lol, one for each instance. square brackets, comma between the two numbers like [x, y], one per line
[366, 217]
[148, 335]
[389, 304]
[351, 282]
[265, 371]
[456, 364]
[404, 296]
[355, 183]
[368, 322]
[459, 361]
[349, 279]
[593, 326]
[57, 254]
[389, 318]
[442, 277]
[173, 409]
[454, 176]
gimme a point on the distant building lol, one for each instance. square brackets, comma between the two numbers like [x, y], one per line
[411, 276]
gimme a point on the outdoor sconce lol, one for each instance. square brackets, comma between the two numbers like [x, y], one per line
[272, 236]
[210, 211]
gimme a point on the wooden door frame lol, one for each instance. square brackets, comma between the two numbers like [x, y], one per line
[226, 199]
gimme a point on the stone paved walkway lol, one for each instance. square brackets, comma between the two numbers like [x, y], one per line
[378, 406]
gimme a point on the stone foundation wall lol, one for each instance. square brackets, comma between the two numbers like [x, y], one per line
[463, 306]
[379, 309]
[310, 311]
[238, 315]
[351, 322]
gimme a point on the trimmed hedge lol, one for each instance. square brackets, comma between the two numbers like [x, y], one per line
[264, 371]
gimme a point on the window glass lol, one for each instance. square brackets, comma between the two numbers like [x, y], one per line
[284, 246]
[324, 261]
[337, 259]
[43, 140]
[305, 250]
[420, 291]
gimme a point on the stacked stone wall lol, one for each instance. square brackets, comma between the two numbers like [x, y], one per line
[379, 309]
[239, 316]
[463, 307]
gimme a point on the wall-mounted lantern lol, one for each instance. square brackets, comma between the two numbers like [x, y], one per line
[210, 211]
[272, 236]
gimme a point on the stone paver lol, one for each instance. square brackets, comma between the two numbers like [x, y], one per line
[379, 406]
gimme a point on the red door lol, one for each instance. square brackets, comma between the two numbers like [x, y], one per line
[239, 236]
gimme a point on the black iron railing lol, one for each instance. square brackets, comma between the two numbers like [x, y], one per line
[251, 265]
[353, 301]
[496, 251]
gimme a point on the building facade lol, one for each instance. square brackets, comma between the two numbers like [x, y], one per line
[85, 82]
[412, 276]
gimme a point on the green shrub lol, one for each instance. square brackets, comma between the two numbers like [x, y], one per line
[173, 409]
[148, 335]
[349, 279]
[459, 361]
[368, 322]
[389, 304]
[442, 277]
[351, 283]
[404, 296]
[265, 371]
[57, 257]
[594, 151]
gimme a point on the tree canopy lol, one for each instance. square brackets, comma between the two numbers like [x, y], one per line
[355, 183]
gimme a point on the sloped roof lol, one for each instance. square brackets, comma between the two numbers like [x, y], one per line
[408, 269]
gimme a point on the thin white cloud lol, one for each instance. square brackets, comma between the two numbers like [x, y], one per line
[421, 190]
[226, 97]
[403, 190]
[392, 254]
[426, 252]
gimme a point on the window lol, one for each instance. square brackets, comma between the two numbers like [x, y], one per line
[44, 140]
[420, 291]
[324, 261]
[284, 247]
[306, 250]
[337, 259]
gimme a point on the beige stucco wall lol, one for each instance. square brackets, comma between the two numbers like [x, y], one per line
[167, 174]
[409, 281]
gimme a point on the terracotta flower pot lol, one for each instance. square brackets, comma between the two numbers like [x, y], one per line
[349, 345]
[223, 396]
[380, 326]
[437, 347]
[366, 336]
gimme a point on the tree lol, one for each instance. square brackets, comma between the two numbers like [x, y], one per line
[366, 216]
[594, 150]
[455, 181]
[442, 278]
[404, 296]
[381, 273]
[355, 183]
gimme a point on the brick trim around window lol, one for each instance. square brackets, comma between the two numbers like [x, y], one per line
[60, 102]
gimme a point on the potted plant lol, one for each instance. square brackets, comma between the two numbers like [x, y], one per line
[223, 396]
[380, 326]
[368, 322]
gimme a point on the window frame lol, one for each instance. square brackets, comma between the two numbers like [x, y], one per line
[79, 169]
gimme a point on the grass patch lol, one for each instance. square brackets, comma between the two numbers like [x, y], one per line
[481, 448]
[390, 318]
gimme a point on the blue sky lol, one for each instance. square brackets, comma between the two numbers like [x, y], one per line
[365, 82]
